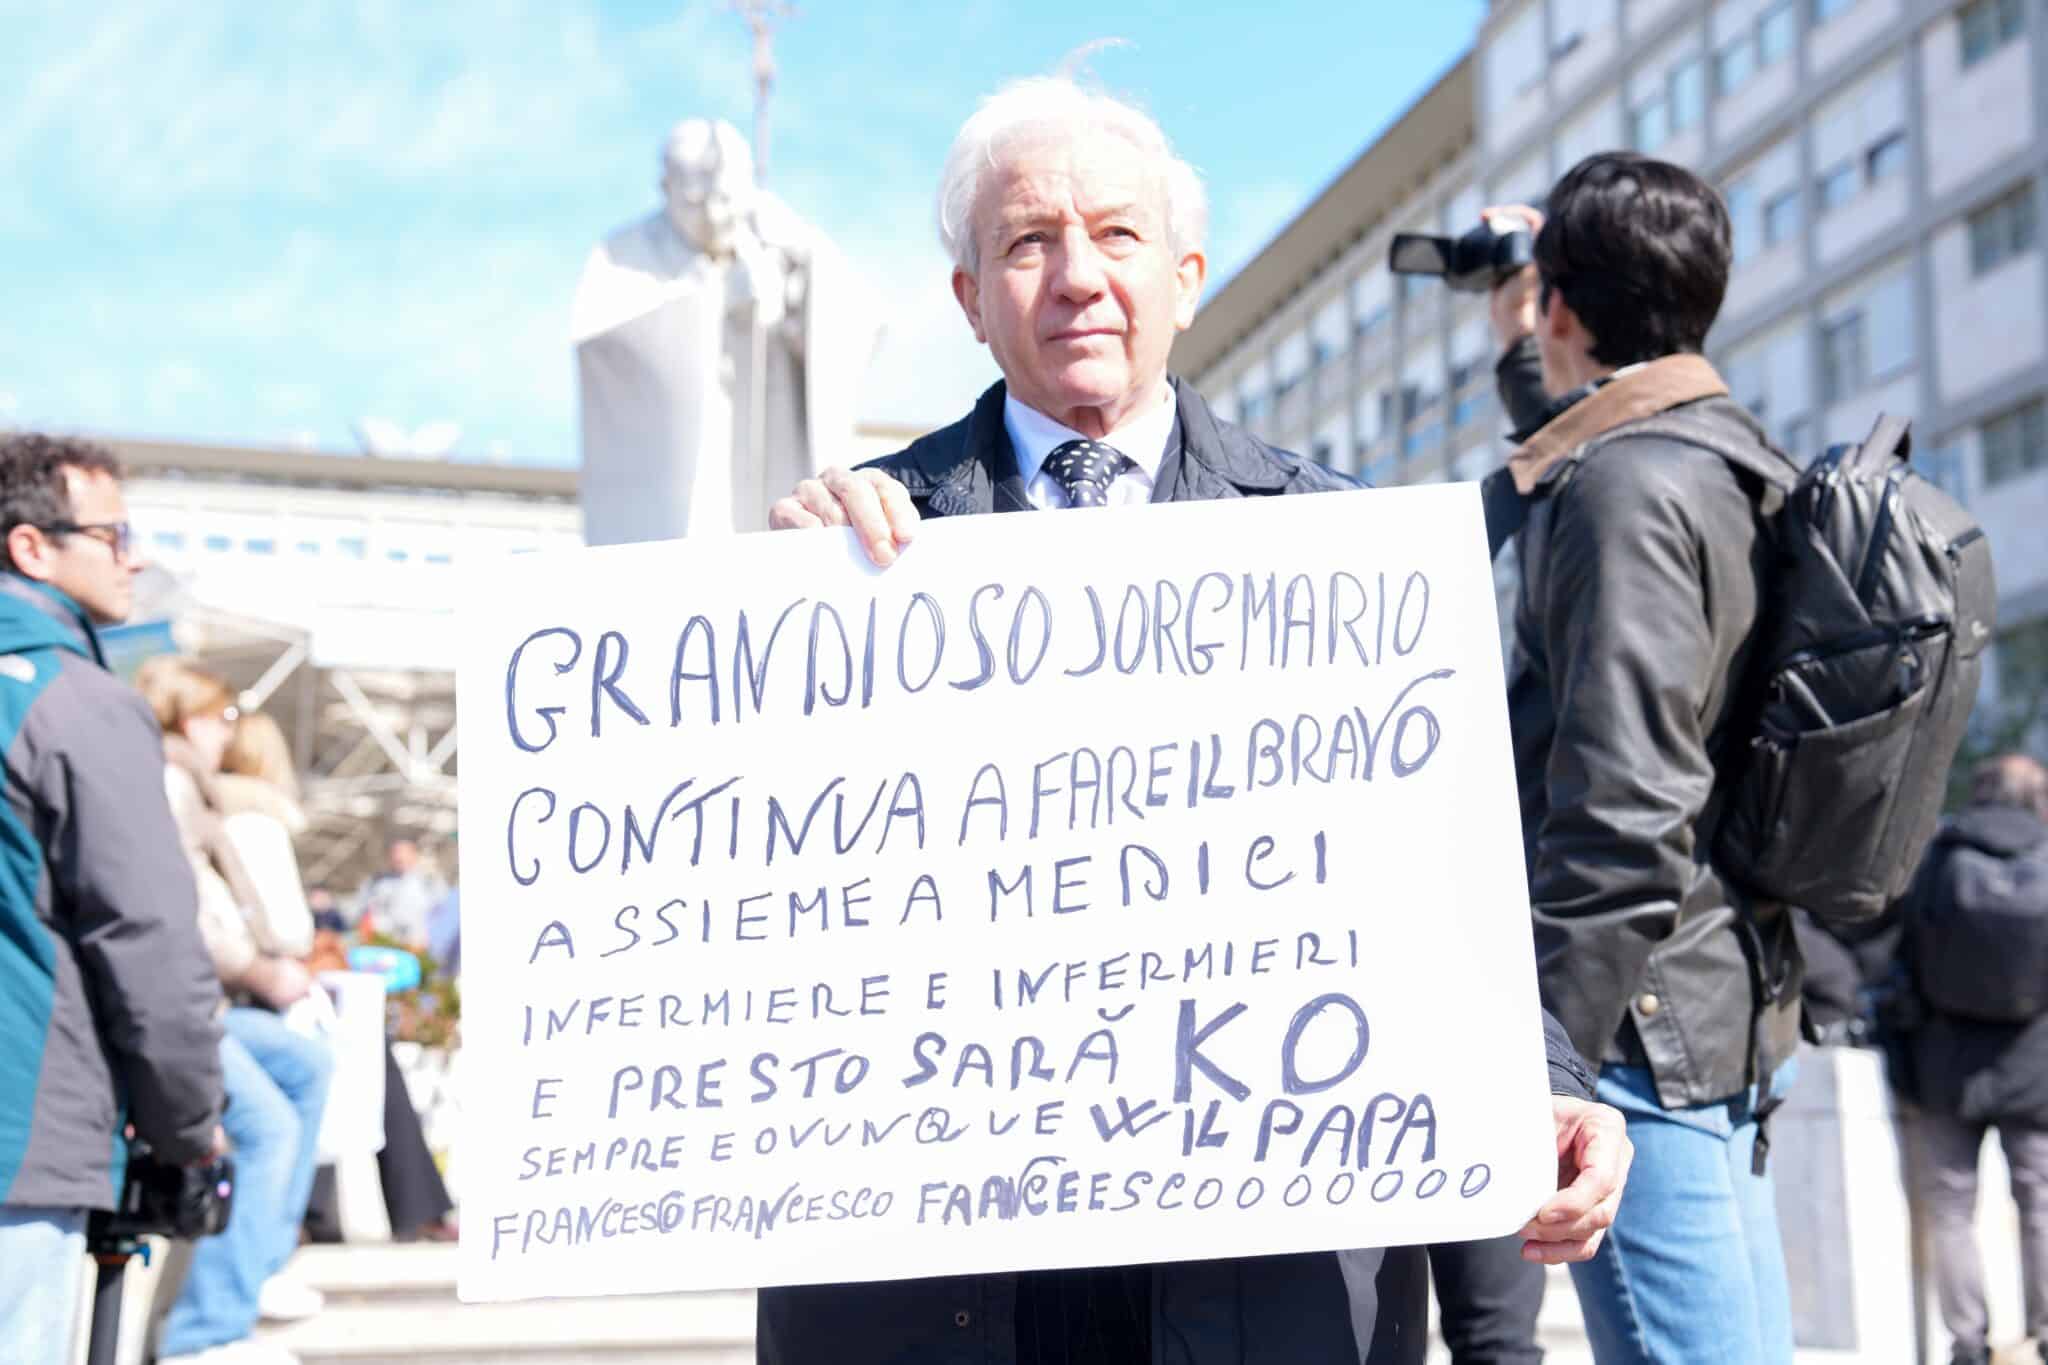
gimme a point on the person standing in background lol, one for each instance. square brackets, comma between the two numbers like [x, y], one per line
[1976, 944]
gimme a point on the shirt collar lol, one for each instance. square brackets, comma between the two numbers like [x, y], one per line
[1143, 439]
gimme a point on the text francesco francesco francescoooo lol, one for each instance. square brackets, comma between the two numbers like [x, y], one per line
[879, 972]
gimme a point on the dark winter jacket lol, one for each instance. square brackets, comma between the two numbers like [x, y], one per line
[1642, 563]
[1268, 1310]
[1981, 1072]
[108, 1002]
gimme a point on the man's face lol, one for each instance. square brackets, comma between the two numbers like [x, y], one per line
[1079, 292]
[405, 856]
[83, 564]
[706, 197]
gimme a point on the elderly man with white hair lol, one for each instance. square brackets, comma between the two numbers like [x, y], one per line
[1076, 235]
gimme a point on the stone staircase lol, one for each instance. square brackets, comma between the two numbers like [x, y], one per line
[396, 1305]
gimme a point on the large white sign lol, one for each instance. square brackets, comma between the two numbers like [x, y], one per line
[1116, 886]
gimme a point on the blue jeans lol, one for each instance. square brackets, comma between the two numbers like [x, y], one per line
[277, 1088]
[42, 1252]
[1693, 1269]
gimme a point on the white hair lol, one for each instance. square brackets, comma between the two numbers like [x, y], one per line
[1038, 105]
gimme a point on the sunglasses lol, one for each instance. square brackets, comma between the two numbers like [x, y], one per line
[117, 536]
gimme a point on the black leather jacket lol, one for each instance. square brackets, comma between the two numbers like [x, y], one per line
[1642, 563]
[1365, 1306]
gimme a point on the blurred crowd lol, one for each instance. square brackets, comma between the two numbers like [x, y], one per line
[233, 792]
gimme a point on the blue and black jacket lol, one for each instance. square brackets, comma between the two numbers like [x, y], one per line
[108, 1002]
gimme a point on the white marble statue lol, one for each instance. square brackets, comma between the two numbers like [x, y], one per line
[720, 346]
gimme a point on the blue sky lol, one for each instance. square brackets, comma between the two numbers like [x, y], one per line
[260, 222]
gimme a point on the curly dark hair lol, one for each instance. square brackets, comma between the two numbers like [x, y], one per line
[32, 489]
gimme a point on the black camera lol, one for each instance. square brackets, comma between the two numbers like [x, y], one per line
[1473, 263]
[160, 1199]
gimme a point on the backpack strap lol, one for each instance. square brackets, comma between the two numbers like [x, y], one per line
[1890, 438]
[1768, 471]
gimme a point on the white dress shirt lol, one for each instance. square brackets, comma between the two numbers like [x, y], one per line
[1034, 436]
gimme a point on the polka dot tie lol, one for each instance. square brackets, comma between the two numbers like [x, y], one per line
[1084, 470]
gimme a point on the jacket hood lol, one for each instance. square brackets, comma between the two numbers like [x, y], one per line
[2001, 831]
[36, 616]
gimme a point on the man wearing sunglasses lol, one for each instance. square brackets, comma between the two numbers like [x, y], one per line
[108, 1000]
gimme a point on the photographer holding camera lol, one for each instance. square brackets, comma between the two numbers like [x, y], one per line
[108, 1002]
[1644, 559]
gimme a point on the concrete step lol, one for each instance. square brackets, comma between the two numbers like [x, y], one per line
[396, 1305]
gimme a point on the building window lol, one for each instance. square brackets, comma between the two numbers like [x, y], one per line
[1844, 366]
[1742, 220]
[1464, 373]
[260, 545]
[2002, 229]
[1253, 407]
[309, 547]
[168, 540]
[1887, 156]
[1734, 64]
[1372, 324]
[2015, 443]
[1688, 94]
[1415, 287]
[353, 547]
[1776, 33]
[1943, 467]
[1796, 436]
[1649, 125]
[1824, 10]
[1841, 183]
[219, 545]
[1781, 218]
[438, 557]
[1469, 410]
[1988, 25]
[1838, 186]
[1423, 439]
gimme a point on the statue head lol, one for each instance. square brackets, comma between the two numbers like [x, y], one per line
[707, 179]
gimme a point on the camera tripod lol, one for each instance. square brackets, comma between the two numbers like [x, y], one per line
[110, 1254]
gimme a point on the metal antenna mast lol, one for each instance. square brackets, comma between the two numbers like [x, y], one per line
[761, 17]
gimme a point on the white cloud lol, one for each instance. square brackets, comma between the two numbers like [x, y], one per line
[10, 403]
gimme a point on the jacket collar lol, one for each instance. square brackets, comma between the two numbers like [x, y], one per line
[61, 608]
[1643, 391]
[971, 467]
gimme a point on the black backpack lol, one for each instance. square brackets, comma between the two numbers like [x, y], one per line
[1979, 930]
[1860, 683]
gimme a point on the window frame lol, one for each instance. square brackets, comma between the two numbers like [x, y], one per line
[2008, 19]
[1792, 198]
[2029, 423]
[1845, 177]
[1835, 385]
[1783, 20]
[1895, 141]
[1745, 43]
[2004, 229]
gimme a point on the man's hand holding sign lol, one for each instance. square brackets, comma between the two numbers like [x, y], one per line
[1030, 937]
